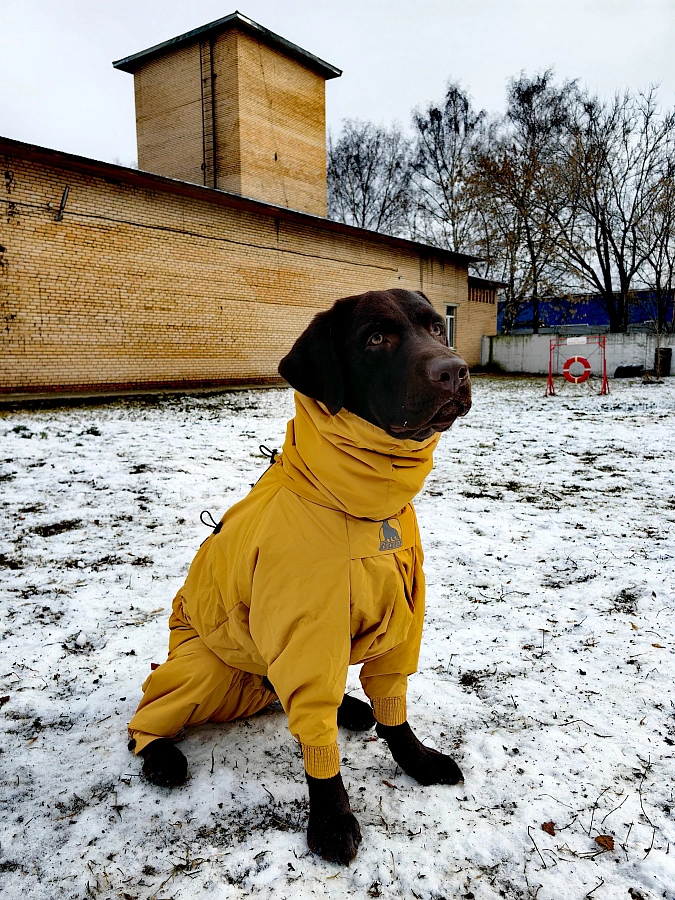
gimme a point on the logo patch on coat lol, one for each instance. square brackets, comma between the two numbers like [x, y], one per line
[390, 538]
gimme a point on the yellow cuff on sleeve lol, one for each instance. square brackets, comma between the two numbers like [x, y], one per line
[390, 710]
[321, 762]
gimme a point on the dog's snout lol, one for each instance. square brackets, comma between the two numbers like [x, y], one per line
[448, 372]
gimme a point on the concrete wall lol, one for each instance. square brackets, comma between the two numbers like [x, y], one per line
[145, 284]
[530, 352]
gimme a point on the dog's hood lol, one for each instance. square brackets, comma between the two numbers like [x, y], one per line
[345, 463]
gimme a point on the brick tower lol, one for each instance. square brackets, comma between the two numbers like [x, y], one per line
[234, 106]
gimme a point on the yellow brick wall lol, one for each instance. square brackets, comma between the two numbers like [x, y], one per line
[226, 104]
[473, 321]
[282, 122]
[270, 121]
[169, 116]
[141, 287]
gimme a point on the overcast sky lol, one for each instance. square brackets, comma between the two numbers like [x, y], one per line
[58, 88]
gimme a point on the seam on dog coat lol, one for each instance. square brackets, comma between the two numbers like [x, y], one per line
[317, 568]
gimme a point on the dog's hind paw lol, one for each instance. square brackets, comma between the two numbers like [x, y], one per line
[354, 714]
[164, 764]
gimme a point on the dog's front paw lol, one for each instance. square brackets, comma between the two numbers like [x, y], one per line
[335, 838]
[164, 764]
[332, 831]
[433, 767]
[422, 763]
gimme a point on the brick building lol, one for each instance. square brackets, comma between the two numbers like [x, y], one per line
[201, 267]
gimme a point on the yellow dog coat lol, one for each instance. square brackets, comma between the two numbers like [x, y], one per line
[319, 567]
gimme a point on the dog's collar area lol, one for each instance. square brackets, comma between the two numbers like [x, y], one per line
[346, 463]
[362, 432]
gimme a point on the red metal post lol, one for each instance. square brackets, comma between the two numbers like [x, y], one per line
[605, 383]
[550, 386]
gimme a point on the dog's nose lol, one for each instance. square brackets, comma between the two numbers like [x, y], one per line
[449, 372]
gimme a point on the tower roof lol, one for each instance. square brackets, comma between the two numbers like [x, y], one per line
[234, 20]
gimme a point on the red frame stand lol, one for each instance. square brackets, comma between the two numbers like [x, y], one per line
[554, 347]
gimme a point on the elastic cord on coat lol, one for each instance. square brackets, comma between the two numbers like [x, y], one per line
[268, 453]
[207, 519]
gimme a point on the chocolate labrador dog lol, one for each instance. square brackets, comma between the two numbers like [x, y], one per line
[383, 357]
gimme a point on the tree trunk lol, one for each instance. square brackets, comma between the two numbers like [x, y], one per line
[535, 313]
[624, 308]
[615, 315]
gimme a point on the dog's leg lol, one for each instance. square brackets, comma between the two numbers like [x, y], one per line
[332, 830]
[163, 763]
[354, 714]
[422, 763]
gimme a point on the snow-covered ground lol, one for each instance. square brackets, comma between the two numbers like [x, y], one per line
[547, 661]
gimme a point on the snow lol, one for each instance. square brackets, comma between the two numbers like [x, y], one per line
[546, 667]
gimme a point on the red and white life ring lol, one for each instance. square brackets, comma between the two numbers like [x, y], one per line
[576, 379]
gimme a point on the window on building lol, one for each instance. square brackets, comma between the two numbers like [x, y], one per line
[450, 313]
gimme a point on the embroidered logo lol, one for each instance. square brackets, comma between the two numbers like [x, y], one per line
[390, 538]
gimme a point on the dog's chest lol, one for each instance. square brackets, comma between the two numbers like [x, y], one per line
[382, 582]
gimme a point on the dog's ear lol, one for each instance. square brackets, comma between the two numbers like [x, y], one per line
[312, 365]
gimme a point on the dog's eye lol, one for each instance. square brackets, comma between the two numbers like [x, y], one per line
[437, 330]
[375, 339]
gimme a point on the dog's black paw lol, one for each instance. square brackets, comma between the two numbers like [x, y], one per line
[332, 831]
[335, 838]
[354, 714]
[435, 768]
[164, 764]
[422, 763]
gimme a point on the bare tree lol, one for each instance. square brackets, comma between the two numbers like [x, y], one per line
[500, 245]
[368, 172]
[603, 183]
[445, 137]
[656, 235]
[566, 194]
[510, 173]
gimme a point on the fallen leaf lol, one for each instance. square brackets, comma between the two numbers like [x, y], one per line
[633, 626]
[389, 784]
[606, 841]
[660, 646]
[549, 828]
[4, 700]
